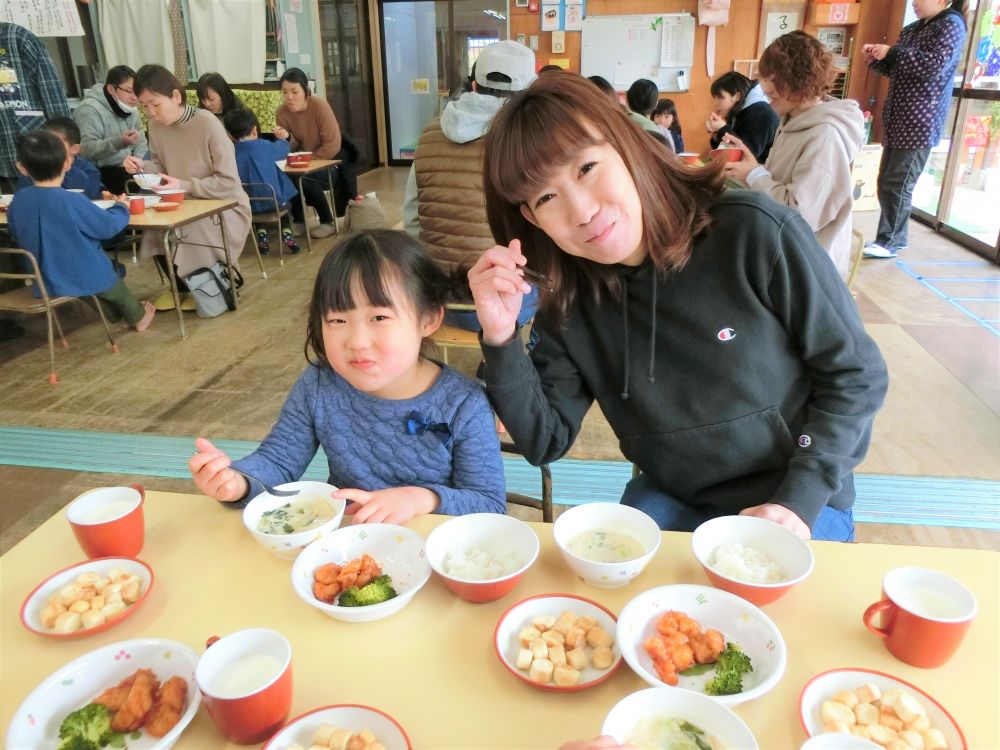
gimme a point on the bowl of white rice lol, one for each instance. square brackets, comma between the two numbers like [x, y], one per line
[752, 557]
[482, 556]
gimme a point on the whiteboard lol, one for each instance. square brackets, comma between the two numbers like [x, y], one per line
[657, 46]
[43, 17]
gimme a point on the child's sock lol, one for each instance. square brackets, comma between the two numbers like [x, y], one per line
[263, 243]
[290, 243]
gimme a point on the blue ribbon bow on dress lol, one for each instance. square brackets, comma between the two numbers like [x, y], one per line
[417, 424]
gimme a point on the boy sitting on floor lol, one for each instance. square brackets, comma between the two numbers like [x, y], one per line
[256, 162]
[63, 230]
[81, 175]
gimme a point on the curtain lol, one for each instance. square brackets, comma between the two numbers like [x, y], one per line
[227, 37]
[136, 32]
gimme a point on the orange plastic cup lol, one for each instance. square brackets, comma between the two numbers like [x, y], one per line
[136, 206]
[108, 522]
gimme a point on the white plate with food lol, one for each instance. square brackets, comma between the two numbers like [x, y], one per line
[76, 685]
[87, 598]
[558, 642]
[345, 725]
[104, 203]
[728, 628]
[892, 704]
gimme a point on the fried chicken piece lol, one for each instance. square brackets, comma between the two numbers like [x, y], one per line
[114, 698]
[359, 572]
[327, 573]
[140, 699]
[326, 592]
[707, 646]
[167, 707]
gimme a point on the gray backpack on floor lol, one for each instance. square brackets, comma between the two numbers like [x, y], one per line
[213, 294]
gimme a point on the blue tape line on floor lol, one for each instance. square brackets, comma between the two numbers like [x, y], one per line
[931, 501]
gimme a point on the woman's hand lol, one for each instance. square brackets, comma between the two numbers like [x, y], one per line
[875, 52]
[497, 288]
[780, 515]
[280, 132]
[739, 170]
[168, 183]
[133, 164]
[130, 137]
[210, 470]
[714, 122]
[599, 743]
[393, 505]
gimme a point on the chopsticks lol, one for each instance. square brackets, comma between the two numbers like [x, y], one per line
[537, 279]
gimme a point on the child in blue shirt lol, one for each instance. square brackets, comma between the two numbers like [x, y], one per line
[256, 162]
[63, 230]
[82, 174]
[403, 435]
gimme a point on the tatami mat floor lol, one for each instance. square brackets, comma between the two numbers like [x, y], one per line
[933, 313]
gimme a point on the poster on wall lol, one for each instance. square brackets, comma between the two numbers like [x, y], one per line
[43, 17]
[574, 18]
[550, 17]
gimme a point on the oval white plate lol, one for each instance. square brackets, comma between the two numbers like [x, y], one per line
[738, 620]
[346, 716]
[36, 722]
[103, 203]
[35, 602]
[507, 644]
[825, 685]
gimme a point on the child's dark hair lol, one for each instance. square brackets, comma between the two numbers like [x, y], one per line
[367, 262]
[641, 96]
[732, 83]
[667, 107]
[64, 127]
[42, 155]
[220, 86]
[240, 122]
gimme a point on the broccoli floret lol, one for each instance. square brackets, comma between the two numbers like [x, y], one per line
[729, 670]
[379, 590]
[87, 728]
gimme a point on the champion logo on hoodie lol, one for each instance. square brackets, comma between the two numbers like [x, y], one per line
[726, 334]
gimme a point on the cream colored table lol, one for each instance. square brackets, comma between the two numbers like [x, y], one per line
[432, 665]
[313, 167]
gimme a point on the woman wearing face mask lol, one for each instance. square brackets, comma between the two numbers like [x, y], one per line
[742, 109]
[308, 123]
[708, 324]
[110, 128]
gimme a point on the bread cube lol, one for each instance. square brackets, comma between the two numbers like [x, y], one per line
[860, 730]
[908, 708]
[587, 622]
[880, 734]
[564, 625]
[897, 744]
[576, 637]
[598, 636]
[541, 671]
[836, 726]
[553, 638]
[113, 609]
[565, 676]
[323, 734]
[933, 739]
[69, 594]
[524, 657]
[577, 658]
[866, 713]
[92, 619]
[572, 617]
[557, 655]
[868, 693]
[603, 657]
[847, 697]
[543, 622]
[528, 634]
[918, 723]
[887, 717]
[50, 613]
[912, 738]
[67, 622]
[538, 649]
[832, 712]
[79, 606]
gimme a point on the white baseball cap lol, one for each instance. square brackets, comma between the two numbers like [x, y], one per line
[507, 58]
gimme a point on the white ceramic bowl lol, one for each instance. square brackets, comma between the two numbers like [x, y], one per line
[790, 551]
[824, 686]
[700, 710]
[36, 722]
[737, 619]
[397, 549]
[507, 644]
[300, 730]
[31, 609]
[838, 741]
[104, 203]
[491, 531]
[606, 517]
[288, 546]
[147, 180]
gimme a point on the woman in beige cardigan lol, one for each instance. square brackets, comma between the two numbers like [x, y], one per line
[190, 149]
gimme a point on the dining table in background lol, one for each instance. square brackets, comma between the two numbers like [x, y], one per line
[314, 166]
[432, 665]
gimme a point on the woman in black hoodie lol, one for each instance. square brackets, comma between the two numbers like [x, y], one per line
[711, 328]
[742, 110]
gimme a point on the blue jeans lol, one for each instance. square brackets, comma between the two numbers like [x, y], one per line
[671, 514]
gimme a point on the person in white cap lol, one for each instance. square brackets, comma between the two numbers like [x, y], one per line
[444, 205]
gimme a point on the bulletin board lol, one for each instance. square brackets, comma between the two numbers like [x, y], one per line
[622, 49]
[43, 17]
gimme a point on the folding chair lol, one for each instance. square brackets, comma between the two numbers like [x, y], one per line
[273, 215]
[545, 503]
[857, 252]
[23, 300]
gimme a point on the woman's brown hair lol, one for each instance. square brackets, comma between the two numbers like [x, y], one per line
[798, 66]
[159, 80]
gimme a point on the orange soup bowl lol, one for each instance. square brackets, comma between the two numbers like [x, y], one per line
[108, 522]
[245, 681]
[174, 195]
[727, 154]
[299, 158]
[792, 555]
[690, 157]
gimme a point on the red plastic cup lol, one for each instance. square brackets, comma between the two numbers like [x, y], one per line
[925, 615]
[245, 679]
[136, 206]
[108, 522]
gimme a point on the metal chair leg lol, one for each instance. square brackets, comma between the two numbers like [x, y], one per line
[281, 241]
[53, 378]
[104, 320]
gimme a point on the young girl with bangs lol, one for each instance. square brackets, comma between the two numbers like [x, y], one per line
[403, 435]
[709, 326]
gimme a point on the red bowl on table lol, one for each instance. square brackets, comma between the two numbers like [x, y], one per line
[299, 158]
[171, 196]
[690, 157]
[727, 154]
[166, 206]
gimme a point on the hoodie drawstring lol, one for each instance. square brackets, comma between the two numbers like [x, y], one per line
[652, 333]
[624, 393]
[652, 336]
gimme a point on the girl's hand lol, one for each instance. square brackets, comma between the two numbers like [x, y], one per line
[280, 132]
[133, 164]
[497, 288]
[780, 515]
[168, 183]
[393, 505]
[739, 170]
[210, 470]
[715, 121]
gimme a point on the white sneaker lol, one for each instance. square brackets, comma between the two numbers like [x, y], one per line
[875, 250]
[298, 229]
[323, 230]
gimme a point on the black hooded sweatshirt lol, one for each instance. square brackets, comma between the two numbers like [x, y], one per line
[744, 378]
